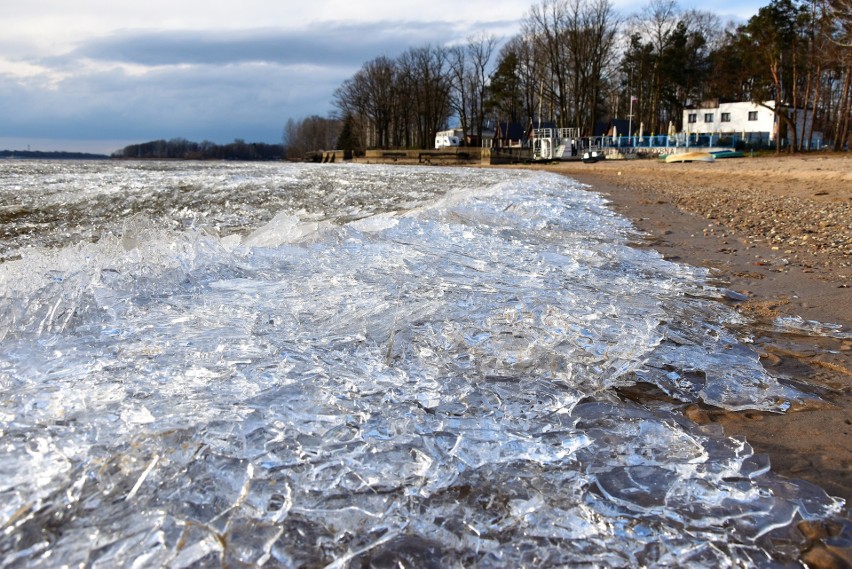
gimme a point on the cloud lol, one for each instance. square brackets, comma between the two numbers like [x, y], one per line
[339, 44]
[216, 85]
[220, 103]
[203, 70]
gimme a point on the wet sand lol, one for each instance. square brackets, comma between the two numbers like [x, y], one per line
[777, 230]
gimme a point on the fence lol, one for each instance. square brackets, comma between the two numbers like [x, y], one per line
[749, 141]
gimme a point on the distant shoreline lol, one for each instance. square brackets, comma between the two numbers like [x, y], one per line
[52, 155]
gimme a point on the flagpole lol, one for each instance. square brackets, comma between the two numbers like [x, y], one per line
[630, 119]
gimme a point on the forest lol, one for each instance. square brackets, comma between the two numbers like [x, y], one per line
[576, 63]
[51, 155]
[182, 149]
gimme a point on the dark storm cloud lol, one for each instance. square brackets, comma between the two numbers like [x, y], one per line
[219, 85]
[337, 44]
[251, 101]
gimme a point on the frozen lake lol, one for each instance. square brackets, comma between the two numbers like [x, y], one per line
[338, 365]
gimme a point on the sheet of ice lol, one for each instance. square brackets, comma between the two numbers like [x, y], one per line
[301, 365]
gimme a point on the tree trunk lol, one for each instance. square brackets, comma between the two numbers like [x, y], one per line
[843, 116]
[809, 135]
[774, 68]
[847, 101]
[799, 136]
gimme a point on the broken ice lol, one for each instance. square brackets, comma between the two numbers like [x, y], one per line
[297, 365]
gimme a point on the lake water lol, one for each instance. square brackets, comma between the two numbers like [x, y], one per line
[346, 365]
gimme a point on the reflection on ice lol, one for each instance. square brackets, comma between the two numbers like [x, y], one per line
[430, 381]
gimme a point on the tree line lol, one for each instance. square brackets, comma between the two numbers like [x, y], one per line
[51, 155]
[301, 139]
[576, 63]
[796, 55]
[182, 149]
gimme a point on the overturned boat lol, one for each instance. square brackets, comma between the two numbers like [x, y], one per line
[690, 157]
[727, 154]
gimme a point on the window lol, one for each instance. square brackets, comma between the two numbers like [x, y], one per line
[726, 117]
[752, 115]
[693, 117]
[708, 117]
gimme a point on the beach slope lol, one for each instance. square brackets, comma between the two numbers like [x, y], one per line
[778, 232]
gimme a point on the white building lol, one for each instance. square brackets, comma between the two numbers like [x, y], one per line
[447, 138]
[752, 122]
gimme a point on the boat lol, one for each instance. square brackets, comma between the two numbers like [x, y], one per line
[727, 154]
[550, 143]
[690, 157]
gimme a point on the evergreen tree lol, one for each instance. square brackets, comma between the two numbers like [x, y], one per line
[348, 139]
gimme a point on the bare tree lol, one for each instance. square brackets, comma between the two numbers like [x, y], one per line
[431, 92]
[841, 13]
[480, 48]
[459, 80]
[707, 24]
[400, 102]
[544, 26]
[305, 136]
[351, 101]
[469, 76]
[658, 23]
[590, 36]
[379, 79]
[575, 40]
[370, 94]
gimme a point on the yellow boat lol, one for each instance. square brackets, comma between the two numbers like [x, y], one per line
[690, 157]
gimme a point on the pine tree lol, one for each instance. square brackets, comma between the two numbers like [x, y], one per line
[348, 139]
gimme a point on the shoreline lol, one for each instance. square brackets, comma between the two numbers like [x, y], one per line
[777, 229]
[812, 442]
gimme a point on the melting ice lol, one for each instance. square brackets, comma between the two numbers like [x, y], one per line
[344, 365]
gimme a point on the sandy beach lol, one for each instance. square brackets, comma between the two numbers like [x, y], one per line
[778, 232]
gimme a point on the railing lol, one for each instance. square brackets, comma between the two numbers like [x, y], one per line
[569, 133]
[682, 140]
[545, 144]
[556, 133]
[543, 133]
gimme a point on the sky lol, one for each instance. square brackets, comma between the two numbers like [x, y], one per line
[97, 75]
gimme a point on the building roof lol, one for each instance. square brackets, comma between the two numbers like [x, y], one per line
[509, 131]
